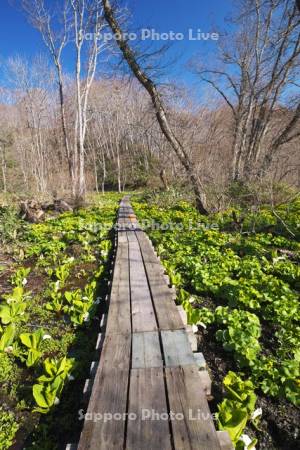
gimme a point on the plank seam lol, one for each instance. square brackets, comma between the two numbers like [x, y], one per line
[161, 348]
[130, 358]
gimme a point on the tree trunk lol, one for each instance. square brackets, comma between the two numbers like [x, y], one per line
[158, 106]
[103, 172]
[119, 172]
[3, 168]
[164, 180]
[63, 122]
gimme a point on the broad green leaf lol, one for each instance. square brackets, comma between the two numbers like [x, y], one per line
[7, 337]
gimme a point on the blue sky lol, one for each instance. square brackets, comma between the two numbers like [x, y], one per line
[18, 37]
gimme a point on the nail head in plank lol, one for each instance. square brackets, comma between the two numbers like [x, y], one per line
[200, 361]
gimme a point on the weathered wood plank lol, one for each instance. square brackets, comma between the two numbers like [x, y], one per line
[122, 237]
[148, 252]
[186, 398]
[143, 317]
[165, 308]
[147, 395]
[146, 350]
[177, 349]
[109, 396]
[119, 317]
[116, 352]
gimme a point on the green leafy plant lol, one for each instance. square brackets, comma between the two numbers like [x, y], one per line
[7, 336]
[19, 279]
[13, 313]
[175, 277]
[57, 303]
[57, 246]
[241, 334]
[89, 291]
[16, 296]
[105, 247]
[10, 374]
[235, 411]
[33, 342]
[278, 377]
[61, 273]
[79, 307]
[48, 389]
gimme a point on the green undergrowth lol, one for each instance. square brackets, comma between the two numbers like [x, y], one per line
[237, 273]
[52, 287]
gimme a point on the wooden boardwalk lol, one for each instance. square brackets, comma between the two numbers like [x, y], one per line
[147, 392]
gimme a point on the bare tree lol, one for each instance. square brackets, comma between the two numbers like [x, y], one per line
[78, 21]
[3, 164]
[55, 40]
[88, 18]
[158, 105]
[32, 82]
[256, 71]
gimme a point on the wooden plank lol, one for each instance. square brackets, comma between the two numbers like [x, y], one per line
[177, 349]
[122, 237]
[147, 395]
[119, 317]
[109, 396]
[166, 311]
[165, 308]
[116, 352]
[143, 317]
[187, 400]
[146, 350]
[147, 250]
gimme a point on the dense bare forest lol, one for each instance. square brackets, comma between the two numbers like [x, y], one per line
[90, 131]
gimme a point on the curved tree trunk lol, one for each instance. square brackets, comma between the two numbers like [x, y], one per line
[158, 106]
